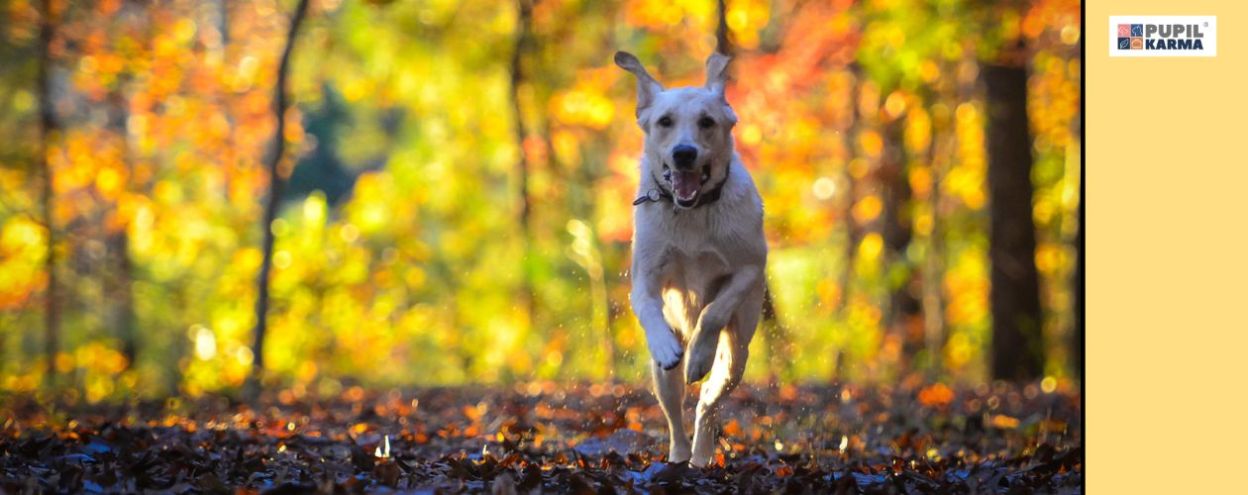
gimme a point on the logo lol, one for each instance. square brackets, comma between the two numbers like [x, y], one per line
[1163, 36]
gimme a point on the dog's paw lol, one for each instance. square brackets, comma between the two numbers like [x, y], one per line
[702, 346]
[665, 349]
[701, 357]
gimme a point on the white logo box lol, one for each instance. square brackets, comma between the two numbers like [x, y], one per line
[1208, 25]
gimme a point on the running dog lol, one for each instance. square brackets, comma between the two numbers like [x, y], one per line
[699, 253]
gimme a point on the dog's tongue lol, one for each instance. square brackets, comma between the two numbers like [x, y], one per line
[685, 185]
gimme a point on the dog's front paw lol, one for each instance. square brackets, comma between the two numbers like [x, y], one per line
[665, 349]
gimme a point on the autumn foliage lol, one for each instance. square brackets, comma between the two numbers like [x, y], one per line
[401, 255]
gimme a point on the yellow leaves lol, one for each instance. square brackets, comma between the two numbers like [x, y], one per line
[282, 259]
[858, 168]
[668, 13]
[370, 209]
[1050, 257]
[870, 248]
[23, 245]
[871, 143]
[966, 282]
[868, 209]
[109, 182]
[918, 135]
[895, 105]
[751, 134]
[586, 107]
[921, 181]
[967, 179]
[746, 19]
[22, 236]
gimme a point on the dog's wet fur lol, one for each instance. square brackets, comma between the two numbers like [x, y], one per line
[698, 259]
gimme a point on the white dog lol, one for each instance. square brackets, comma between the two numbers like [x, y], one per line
[698, 249]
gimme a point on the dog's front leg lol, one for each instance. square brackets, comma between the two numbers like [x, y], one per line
[714, 318]
[670, 390]
[665, 347]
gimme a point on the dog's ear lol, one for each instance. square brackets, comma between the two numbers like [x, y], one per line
[647, 87]
[717, 73]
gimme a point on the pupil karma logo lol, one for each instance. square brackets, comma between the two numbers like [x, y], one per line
[1163, 36]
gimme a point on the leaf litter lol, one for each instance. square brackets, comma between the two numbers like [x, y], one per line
[547, 438]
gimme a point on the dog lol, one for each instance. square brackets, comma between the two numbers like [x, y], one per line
[699, 254]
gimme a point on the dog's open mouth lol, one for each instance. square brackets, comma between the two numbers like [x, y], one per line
[687, 184]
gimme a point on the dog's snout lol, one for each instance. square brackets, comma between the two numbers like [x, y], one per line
[684, 155]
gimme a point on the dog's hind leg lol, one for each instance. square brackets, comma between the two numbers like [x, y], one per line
[740, 295]
[731, 354]
[670, 389]
[724, 376]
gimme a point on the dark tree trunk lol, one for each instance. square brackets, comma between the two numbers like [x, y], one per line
[47, 131]
[852, 231]
[524, 38]
[276, 182]
[723, 43]
[903, 317]
[1017, 343]
[119, 281]
[121, 293]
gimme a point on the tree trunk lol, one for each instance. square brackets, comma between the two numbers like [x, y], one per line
[902, 319]
[47, 132]
[723, 43]
[275, 197]
[120, 290]
[1017, 343]
[852, 232]
[524, 38]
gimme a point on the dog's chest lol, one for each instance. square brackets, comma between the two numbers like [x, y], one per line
[697, 244]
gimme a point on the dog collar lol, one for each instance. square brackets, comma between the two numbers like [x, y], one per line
[657, 193]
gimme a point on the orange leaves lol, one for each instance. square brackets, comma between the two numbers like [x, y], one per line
[868, 209]
[936, 394]
[1004, 422]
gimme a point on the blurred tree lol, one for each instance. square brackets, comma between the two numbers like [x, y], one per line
[273, 202]
[902, 318]
[523, 41]
[1017, 341]
[48, 134]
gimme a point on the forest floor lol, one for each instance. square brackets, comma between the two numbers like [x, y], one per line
[542, 437]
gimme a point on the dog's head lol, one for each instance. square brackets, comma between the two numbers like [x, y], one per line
[688, 130]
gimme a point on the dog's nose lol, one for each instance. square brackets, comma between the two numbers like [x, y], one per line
[684, 155]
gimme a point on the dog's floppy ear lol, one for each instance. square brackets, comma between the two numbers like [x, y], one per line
[647, 87]
[716, 73]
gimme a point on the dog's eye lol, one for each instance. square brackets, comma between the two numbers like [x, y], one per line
[706, 123]
[665, 121]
